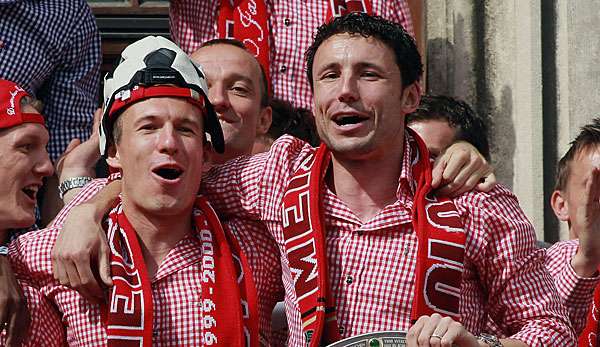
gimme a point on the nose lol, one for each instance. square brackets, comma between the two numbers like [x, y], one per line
[217, 95]
[44, 166]
[167, 140]
[348, 91]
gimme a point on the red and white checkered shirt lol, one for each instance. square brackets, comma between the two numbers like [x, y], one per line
[371, 265]
[292, 25]
[577, 292]
[176, 287]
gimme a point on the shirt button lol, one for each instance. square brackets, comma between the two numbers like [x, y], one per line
[287, 22]
[349, 279]
[341, 330]
[283, 69]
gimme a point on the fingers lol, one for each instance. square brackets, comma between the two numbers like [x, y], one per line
[70, 147]
[460, 170]
[97, 120]
[438, 331]
[437, 171]
[104, 263]
[425, 337]
[488, 183]
[592, 188]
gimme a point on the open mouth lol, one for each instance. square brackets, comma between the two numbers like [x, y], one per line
[349, 119]
[168, 173]
[31, 191]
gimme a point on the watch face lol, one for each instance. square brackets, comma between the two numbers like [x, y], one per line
[491, 340]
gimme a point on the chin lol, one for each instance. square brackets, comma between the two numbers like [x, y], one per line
[167, 205]
[22, 221]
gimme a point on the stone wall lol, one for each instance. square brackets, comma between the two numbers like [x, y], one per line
[533, 69]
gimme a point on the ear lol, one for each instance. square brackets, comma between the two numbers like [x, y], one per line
[560, 206]
[264, 120]
[411, 97]
[113, 159]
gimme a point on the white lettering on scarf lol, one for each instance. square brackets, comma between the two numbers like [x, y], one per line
[246, 18]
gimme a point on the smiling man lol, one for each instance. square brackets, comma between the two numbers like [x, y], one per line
[349, 217]
[179, 278]
[238, 91]
[24, 162]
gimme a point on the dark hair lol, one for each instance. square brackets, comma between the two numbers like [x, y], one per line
[297, 122]
[588, 136]
[391, 34]
[264, 93]
[469, 125]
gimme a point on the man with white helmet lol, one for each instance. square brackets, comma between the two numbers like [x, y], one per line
[179, 277]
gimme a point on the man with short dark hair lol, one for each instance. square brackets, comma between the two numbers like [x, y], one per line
[354, 269]
[441, 120]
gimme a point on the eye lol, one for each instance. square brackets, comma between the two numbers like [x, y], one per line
[370, 74]
[240, 89]
[329, 75]
[186, 130]
[25, 147]
[147, 127]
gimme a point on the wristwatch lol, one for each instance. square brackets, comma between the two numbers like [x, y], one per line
[71, 183]
[3, 250]
[490, 340]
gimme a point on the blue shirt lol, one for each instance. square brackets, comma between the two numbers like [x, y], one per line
[52, 49]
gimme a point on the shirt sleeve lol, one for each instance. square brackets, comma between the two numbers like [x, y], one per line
[252, 187]
[45, 327]
[70, 95]
[86, 193]
[521, 297]
[29, 256]
[576, 292]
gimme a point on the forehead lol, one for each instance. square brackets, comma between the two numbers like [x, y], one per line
[437, 134]
[585, 159]
[163, 108]
[26, 131]
[221, 61]
[354, 48]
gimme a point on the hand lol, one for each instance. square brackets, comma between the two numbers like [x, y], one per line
[460, 169]
[585, 222]
[13, 308]
[79, 159]
[81, 241]
[436, 331]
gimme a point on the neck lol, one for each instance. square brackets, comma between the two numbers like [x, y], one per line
[158, 234]
[366, 186]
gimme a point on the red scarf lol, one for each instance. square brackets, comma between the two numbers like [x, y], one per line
[436, 223]
[589, 335]
[246, 21]
[338, 8]
[226, 279]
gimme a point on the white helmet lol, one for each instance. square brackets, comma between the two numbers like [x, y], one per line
[154, 67]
